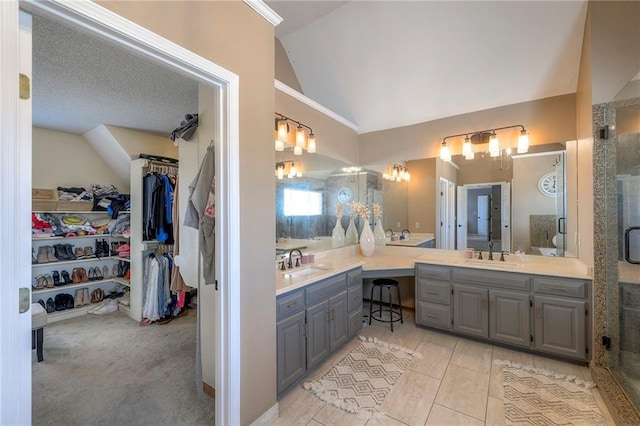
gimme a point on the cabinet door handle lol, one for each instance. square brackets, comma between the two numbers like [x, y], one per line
[333, 315]
[433, 316]
[292, 304]
[559, 288]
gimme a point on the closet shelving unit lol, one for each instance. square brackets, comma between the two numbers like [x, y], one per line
[139, 248]
[107, 284]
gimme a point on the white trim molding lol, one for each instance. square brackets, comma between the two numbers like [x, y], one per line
[265, 11]
[313, 104]
[102, 23]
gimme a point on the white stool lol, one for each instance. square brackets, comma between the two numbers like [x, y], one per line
[38, 322]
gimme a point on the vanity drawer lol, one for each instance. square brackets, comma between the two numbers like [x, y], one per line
[327, 288]
[355, 297]
[436, 272]
[497, 279]
[434, 291]
[289, 304]
[355, 322]
[433, 315]
[560, 287]
[354, 277]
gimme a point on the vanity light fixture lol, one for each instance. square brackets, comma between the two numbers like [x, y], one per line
[293, 170]
[398, 173]
[489, 136]
[302, 140]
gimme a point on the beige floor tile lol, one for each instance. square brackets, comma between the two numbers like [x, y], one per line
[440, 416]
[388, 421]
[434, 361]
[411, 398]
[496, 387]
[298, 407]
[330, 415]
[464, 390]
[376, 331]
[438, 338]
[495, 412]
[561, 367]
[505, 354]
[407, 337]
[473, 356]
[314, 423]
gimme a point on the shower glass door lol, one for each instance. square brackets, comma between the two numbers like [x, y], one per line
[625, 358]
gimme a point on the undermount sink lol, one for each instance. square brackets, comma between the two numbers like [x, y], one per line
[492, 263]
[302, 273]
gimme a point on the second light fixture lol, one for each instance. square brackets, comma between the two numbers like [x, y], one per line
[302, 140]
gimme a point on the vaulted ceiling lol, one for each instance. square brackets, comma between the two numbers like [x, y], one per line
[385, 64]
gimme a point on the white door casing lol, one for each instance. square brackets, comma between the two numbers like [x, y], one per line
[15, 204]
[505, 211]
[461, 218]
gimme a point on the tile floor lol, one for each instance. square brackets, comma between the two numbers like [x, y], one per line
[455, 383]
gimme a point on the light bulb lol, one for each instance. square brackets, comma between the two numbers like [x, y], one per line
[280, 171]
[494, 145]
[283, 130]
[467, 149]
[293, 171]
[300, 137]
[508, 151]
[523, 142]
[279, 145]
[394, 173]
[297, 150]
[407, 176]
[445, 154]
[311, 143]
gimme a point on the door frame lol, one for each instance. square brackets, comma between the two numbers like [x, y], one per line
[16, 200]
[445, 232]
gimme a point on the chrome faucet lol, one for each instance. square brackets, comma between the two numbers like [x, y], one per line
[490, 250]
[291, 257]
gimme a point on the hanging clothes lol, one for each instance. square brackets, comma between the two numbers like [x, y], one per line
[157, 202]
[177, 282]
[158, 301]
[200, 213]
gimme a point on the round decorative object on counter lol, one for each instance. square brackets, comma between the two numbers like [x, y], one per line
[547, 184]
[337, 236]
[367, 240]
[344, 195]
[352, 233]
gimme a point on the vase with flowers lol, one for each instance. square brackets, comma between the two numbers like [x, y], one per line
[378, 231]
[337, 235]
[367, 241]
[352, 232]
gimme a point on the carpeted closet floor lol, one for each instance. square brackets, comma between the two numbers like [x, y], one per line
[107, 370]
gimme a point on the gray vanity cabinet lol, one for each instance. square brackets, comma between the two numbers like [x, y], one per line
[317, 333]
[433, 293]
[510, 317]
[291, 345]
[338, 321]
[314, 321]
[561, 316]
[470, 305]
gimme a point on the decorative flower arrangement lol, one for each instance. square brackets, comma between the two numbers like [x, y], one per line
[354, 209]
[362, 210]
[377, 211]
[339, 208]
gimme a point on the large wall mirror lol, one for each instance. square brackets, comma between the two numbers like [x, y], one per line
[511, 202]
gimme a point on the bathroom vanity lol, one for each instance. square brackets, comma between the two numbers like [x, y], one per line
[535, 303]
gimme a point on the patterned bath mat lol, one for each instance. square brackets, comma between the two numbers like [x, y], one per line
[534, 396]
[360, 382]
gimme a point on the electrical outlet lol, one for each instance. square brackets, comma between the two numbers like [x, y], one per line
[398, 225]
[417, 225]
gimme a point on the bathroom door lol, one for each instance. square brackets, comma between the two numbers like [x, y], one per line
[461, 218]
[483, 215]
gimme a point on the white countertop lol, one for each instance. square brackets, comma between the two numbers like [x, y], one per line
[331, 262]
[628, 273]
[415, 239]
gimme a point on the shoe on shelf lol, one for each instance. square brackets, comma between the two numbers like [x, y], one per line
[79, 253]
[77, 300]
[68, 301]
[56, 278]
[83, 275]
[68, 248]
[86, 300]
[42, 255]
[60, 302]
[33, 256]
[60, 252]
[50, 305]
[97, 295]
[41, 302]
[88, 252]
[49, 281]
[40, 283]
[66, 278]
[75, 276]
[51, 255]
[98, 274]
[127, 276]
[91, 275]
[105, 272]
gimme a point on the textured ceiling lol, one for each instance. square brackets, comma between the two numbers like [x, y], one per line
[385, 64]
[80, 82]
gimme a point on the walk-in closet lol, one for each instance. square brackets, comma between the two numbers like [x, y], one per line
[122, 321]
